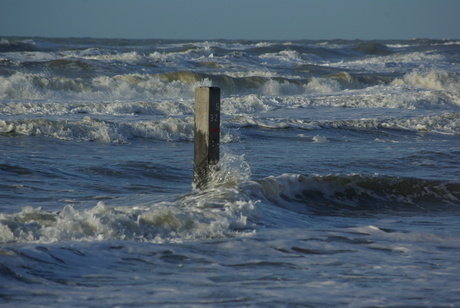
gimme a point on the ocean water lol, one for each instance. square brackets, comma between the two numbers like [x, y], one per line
[338, 181]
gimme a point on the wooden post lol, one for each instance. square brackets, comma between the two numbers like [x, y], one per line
[207, 132]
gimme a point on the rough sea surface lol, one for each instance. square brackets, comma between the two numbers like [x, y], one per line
[338, 182]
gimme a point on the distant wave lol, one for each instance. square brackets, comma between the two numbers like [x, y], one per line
[181, 84]
[448, 123]
[91, 129]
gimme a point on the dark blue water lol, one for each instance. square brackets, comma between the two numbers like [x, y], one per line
[337, 183]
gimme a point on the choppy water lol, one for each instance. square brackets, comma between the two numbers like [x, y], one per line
[338, 183]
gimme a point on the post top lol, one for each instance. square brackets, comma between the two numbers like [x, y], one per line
[205, 87]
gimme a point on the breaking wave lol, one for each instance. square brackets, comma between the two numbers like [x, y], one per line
[232, 205]
[91, 129]
[356, 195]
[432, 80]
[130, 86]
[215, 211]
[448, 123]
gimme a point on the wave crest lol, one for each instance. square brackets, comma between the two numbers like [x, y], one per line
[432, 80]
[345, 195]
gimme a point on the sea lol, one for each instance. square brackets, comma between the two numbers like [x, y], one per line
[338, 183]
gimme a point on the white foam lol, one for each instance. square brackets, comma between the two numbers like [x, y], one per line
[284, 57]
[215, 211]
[92, 129]
[131, 56]
[432, 80]
[447, 123]
[320, 139]
[322, 85]
[119, 87]
[162, 222]
[391, 63]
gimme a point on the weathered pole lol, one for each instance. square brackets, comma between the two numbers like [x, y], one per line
[207, 133]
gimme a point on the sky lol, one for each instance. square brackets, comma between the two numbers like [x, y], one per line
[232, 19]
